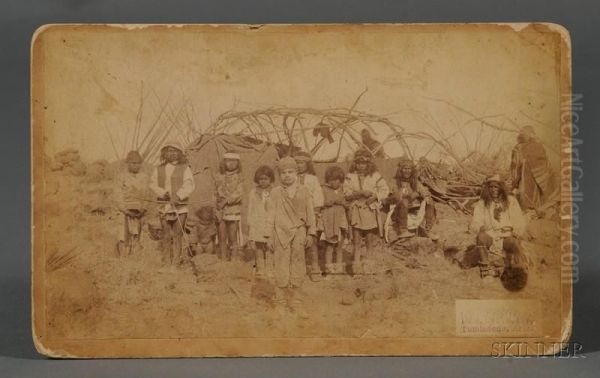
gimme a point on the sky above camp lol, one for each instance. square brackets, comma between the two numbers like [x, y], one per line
[93, 79]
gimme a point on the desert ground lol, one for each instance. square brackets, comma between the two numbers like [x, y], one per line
[410, 292]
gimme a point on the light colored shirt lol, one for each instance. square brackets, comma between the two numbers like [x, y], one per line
[260, 214]
[311, 182]
[511, 217]
[293, 208]
[183, 193]
[374, 183]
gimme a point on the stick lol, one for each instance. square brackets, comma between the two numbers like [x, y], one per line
[470, 114]
[187, 242]
[112, 142]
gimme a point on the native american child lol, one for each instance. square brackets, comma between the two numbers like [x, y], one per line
[204, 232]
[260, 218]
[132, 191]
[293, 226]
[333, 222]
[229, 204]
[364, 189]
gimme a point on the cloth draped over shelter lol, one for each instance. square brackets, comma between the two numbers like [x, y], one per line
[205, 155]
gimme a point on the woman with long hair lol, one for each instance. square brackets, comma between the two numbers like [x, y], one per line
[408, 190]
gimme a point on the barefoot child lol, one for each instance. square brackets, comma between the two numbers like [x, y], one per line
[307, 178]
[334, 224]
[229, 204]
[260, 214]
[364, 189]
[173, 182]
[133, 184]
[293, 226]
[203, 235]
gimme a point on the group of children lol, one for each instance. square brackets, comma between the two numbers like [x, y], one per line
[290, 225]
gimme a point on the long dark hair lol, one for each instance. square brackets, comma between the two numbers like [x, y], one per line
[264, 170]
[412, 180]
[334, 173]
[486, 194]
[180, 160]
[310, 168]
[371, 167]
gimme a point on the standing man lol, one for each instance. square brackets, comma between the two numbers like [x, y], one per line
[173, 182]
[530, 171]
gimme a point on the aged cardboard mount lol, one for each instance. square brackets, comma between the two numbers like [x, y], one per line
[236, 190]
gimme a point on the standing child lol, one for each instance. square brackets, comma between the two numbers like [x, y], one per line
[293, 226]
[260, 214]
[173, 182]
[229, 204]
[307, 178]
[133, 184]
[334, 224]
[364, 189]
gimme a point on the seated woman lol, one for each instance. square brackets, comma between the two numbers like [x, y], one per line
[411, 193]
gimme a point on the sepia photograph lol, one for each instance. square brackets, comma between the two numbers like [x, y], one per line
[271, 190]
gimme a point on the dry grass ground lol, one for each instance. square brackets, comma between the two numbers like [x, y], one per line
[92, 293]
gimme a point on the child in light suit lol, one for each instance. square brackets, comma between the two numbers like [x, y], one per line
[293, 226]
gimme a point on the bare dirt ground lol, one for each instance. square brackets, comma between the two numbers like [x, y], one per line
[92, 293]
